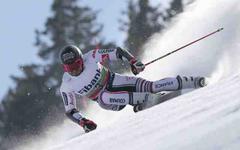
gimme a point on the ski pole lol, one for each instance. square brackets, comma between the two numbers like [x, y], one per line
[218, 30]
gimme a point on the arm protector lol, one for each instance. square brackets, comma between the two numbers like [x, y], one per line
[124, 53]
[74, 115]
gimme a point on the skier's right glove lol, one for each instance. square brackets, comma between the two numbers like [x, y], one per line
[136, 66]
[87, 125]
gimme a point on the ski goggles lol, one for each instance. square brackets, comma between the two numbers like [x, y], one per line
[73, 66]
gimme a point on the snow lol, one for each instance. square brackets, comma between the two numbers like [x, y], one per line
[207, 118]
[202, 119]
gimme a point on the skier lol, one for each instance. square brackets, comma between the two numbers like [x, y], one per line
[86, 76]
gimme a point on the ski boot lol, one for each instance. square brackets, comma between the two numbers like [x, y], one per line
[201, 81]
[150, 100]
[191, 82]
[138, 107]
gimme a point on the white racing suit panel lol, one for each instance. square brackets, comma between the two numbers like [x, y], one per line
[123, 98]
[136, 84]
[122, 90]
[69, 100]
[166, 84]
[101, 55]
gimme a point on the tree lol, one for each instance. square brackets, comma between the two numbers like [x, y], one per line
[143, 21]
[25, 107]
[176, 7]
[35, 97]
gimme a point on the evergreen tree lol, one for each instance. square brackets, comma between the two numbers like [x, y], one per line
[25, 106]
[35, 97]
[143, 21]
[70, 24]
[176, 7]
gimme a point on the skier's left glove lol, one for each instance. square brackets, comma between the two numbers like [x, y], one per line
[87, 125]
[136, 66]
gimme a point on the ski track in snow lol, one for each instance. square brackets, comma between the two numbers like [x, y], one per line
[208, 118]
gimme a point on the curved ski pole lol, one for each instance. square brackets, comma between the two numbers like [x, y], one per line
[218, 30]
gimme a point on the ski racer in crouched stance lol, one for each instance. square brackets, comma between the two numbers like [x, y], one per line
[86, 76]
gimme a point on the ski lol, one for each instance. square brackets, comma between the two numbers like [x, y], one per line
[160, 98]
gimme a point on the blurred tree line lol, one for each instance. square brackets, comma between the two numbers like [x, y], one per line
[35, 103]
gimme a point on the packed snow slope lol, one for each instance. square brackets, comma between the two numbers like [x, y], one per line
[207, 118]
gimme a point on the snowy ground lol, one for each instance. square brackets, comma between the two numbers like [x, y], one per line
[208, 118]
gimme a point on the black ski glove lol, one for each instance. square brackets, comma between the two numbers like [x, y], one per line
[87, 125]
[136, 66]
